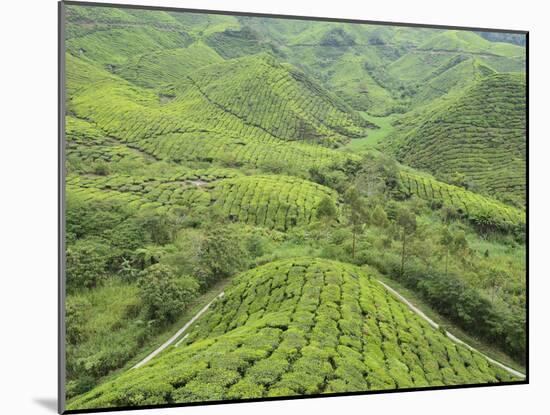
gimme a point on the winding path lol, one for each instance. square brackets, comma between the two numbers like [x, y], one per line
[449, 335]
[178, 333]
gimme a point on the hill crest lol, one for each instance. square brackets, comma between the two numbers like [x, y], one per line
[293, 327]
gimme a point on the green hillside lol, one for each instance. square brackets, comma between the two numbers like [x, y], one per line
[218, 100]
[165, 67]
[483, 211]
[295, 162]
[90, 148]
[416, 65]
[452, 76]
[294, 327]
[307, 111]
[479, 134]
[274, 201]
[234, 43]
[278, 202]
[352, 60]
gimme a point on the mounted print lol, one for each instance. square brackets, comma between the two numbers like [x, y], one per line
[259, 207]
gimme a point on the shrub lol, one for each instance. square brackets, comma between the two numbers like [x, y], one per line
[255, 244]
[101, 169]
[245, 389]
[76, 309]
[86, 263]
[222, 253]
[326, 209]
[164, 294]
[158, 226]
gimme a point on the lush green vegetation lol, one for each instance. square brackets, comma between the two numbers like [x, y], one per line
[273, 201]
[476, 139]
[416, 66]
[290, 161]
[294, 327]
[375, 137]
[485, 213]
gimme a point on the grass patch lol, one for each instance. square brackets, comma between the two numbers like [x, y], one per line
[374, 137]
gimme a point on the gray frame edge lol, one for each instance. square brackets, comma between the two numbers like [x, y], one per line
[61, 363]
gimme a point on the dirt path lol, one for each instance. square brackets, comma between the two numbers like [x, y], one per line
[178, 333]
[449, 335]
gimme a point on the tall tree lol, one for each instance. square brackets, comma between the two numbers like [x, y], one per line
[377, 176]
[406, 220]
[379, 216]
[356, 212]
[446, 241]
[452, 241]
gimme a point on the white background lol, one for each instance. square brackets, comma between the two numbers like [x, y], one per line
[28, 154]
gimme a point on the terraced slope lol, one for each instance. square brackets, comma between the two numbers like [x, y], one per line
[419, 62]
[273, 155]
[273, 201]
[139, 194]
[276, 202]
[110, 36]
[237, 151]
[87, 147]
[473, 206]
[452, 76]
[254, 97]
[167, 66]
[115, 46]
[480, 133]
[83, 20]
[294, 327]
[280, 100]
[88, 16]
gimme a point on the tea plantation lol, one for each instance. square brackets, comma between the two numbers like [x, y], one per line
[294, 327]
[292, 165]
[479, 134]
[477, 208]
[273, 201]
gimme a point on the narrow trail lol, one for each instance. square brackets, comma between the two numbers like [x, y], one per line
[178, 333]
[449, 335]
[413, 308]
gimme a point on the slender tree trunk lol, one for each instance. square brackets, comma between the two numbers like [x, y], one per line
[353, 245]
[403, 254]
